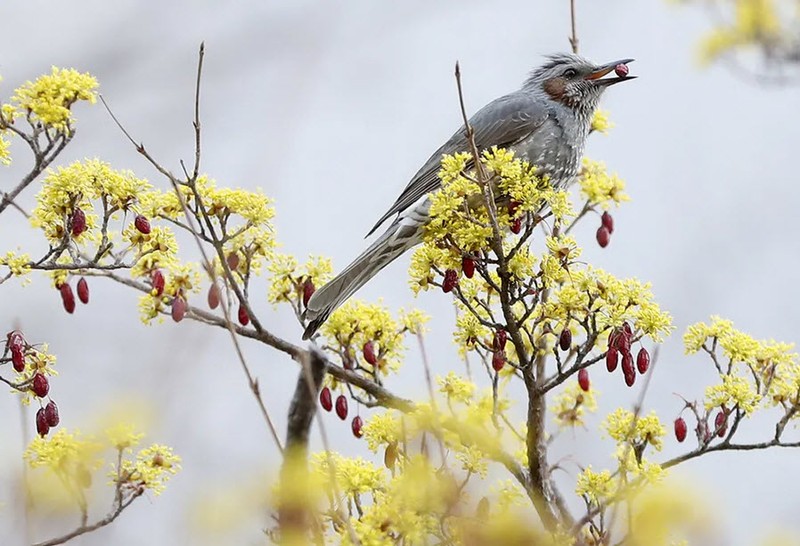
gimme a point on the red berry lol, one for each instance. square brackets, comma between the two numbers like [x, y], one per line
[516, 226]
[621, 70]
[565, 339]
[15, 339]
[142, 224]
[233, 261]
[499, 341]
[78, 222]
[213, 295]
[42, 428]
[612, 357]
[608, 222]
[18, 358]
[83, 290]
[721, 423]
[356, 426]
[51, 413]
[243, 316]
[468, 266]
[603, 236]
[178, 308]
[627, 330]
[583, 379]
[450, 280]
[498, 360]
[67, 297]
[325, 399]
[642, 360]
[512, 207]
[40, 385]
[341, 407]
[680, 429]
[157, 280]
[308, 291]
[627, 368]
[369, 353]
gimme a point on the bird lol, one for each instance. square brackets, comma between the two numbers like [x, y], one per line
[545, 122]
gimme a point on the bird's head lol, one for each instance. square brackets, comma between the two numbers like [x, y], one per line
[576, 82]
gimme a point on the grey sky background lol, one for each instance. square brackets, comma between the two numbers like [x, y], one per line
[330, 107]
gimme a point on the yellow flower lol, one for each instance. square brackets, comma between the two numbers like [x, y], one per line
[600, 188]
[152, 469]
[647, 429]
[600, 122]
[50, 97]
[598, 487]
[382, 429]
[734, 392]
[456, 388]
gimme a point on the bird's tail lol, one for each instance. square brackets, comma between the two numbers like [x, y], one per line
[403, 234]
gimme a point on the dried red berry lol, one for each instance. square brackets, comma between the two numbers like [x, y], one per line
[356, 426]
[243, 316]
[450, 280]
[627, 330]
[498, 360]
[42, 428]
[40, 385]
[308, 291]
[612, 357]
[369, 353]
[15, 339]
[213, 295]
[158, 282]
[499, 340]
[233, 261]
[630, 378]
[83, 290]
[78, 222]
[142, 224]
[608, 222]
[565, 339]
[51, 413]
[18, 358]
[621, 70]
[680, 429]
[67, 297]
[341, 407]
[512, 207]
[468, 266]
[325, 399]
[721, 423]
[516, 226]
[178, 308]
[583, 379]
[642, 360]
[603, 236]
[627, 368]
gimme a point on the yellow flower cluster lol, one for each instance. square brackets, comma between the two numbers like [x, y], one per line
[49, 99]
[18, 264]
[624, 427]
[597, 487]
[286, 284]
[601, 122]
[599, 187]
[152, 469]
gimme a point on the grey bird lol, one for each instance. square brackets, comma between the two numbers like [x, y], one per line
[546, 122]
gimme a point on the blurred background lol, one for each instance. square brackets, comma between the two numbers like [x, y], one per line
[330, 107]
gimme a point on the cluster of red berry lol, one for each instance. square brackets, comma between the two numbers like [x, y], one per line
[704, 431]
[619, 343]
[47, 416]
[326, 401]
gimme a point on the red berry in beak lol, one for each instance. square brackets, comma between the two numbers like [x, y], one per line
[583, 379]
[468, 266]
[356, 426]
[78, 222]
[369, 353]
[621, 70]
[42, 428]
[83, 290]
[178, 308]
[67, 297]
[565, 339]
[325, 399]
[142, 224]
[51, 414]
[308, 291]
[603, 236]
[157, 280]
[244, 318]
[40, 385]
[213, 295]
[498, 360]
[612, 357]
[642, 360]
[608, 222]
[341, 407]
[680, 429]
[450, 280]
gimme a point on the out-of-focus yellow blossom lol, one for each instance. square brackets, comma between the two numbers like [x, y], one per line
[353, 475]
[414, 320]
[456, 388]
[666, 515]
[647, 429]
[601, 122]
[735, 391]
[122, 437]
[152, 469]
[64, 452]
[599, 187]
[5, 154]
[382, 429]
[752, 23]
[598, 487]
[570, 406]
[473, 460]
[49, 99]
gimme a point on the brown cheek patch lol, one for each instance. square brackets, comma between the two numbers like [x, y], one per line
[555, 87]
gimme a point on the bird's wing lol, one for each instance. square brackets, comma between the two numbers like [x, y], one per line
[503, 122]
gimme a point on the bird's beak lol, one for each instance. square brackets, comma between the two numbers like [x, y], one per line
[601, 71]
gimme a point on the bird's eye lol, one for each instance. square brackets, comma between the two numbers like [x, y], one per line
[570, 73]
